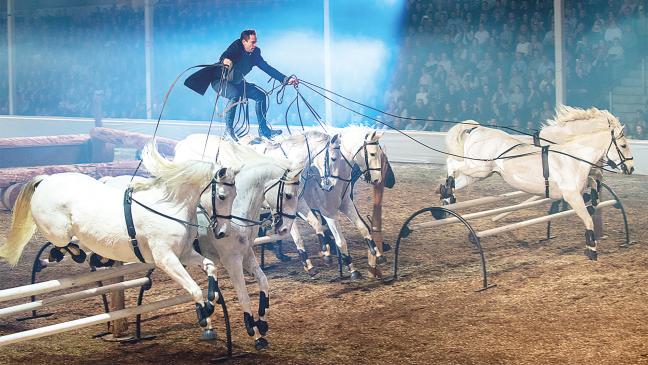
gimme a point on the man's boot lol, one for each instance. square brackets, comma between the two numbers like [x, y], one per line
[268, 133]
[229, 133]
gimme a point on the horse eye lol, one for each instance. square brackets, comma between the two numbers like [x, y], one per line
[289, 196]
[372, 154]
[333, 159]
[624, 145]
[221, 197]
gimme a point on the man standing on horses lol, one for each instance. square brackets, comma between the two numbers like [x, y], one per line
[239, 58]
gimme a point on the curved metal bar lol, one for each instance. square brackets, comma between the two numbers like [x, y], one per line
[36, 268]
[619, 206]
[104, 298]
[138, 318]
[554, 208]
[228, 329]
[405, 232]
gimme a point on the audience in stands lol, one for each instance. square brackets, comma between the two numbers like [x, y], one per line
[492, 61]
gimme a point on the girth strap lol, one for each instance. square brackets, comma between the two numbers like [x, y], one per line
[536, 139]
[545, 168]
[130, 225]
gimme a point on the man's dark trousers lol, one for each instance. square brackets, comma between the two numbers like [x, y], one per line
[245, 89]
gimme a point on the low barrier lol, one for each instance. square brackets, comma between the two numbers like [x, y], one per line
[441, 212]
[32, 290]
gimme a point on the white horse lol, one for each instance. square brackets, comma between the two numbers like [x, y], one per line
[585, 136]
[327, 188]
[260, 178]
[74, 207]
[305, 149]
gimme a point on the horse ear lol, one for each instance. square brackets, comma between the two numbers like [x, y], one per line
[294, 174]
[379, 134]
[335, 138]
[233, 171]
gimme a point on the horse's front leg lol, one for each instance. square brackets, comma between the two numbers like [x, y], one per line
[166, 260]
[251, 265]
[575, 200]
[193, 258]
[325, 249]
[234, 266]
[303, 256]
[375, 253]
[461, 174]
[343, 249]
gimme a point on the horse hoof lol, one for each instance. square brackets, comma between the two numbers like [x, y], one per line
[312, 272]
[386, 247]
[327, 260]
[381, 260]
[592, 255]
[260, 343]
[262, 326]
[81, 257]
[202, 317]
[355, 275]
[209, 309]
[283, 258]
[375, 272]
[208, 335]
[55, 255]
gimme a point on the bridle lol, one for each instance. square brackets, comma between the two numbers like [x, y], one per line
[277, 217]
[213, 220]
[279, 214]
[130, 224]
[622, 157]
[363, 148]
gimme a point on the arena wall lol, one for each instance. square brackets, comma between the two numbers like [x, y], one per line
[399, 147]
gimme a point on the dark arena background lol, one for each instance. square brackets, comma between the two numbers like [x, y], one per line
[85, 84]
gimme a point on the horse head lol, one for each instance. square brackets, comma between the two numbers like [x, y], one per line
[223, 192]
[282, 196]
[372, 155]
[618, 153]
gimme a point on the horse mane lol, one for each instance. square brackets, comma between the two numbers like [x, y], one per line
[354, 134]
[570, 123]
[171, 176]
[298, 140]
[238, 155]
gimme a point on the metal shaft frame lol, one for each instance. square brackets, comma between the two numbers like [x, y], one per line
[473, 236]
[38, 267]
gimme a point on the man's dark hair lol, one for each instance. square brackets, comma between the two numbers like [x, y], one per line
[245, 35]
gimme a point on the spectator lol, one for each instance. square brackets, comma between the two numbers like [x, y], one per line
[546, 113]
[638, 132]
[422, 95]
[519, 64]
[482, 35]
[616, 52]
[516, 96]
[419, 110]
[464, 112]
[612, 31]
[523, 45]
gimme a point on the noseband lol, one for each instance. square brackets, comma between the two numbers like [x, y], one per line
[213, 220]
[277, 217]
[622, 163]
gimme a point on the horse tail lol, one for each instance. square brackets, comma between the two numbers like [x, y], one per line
[22, 223]
[456, 134]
